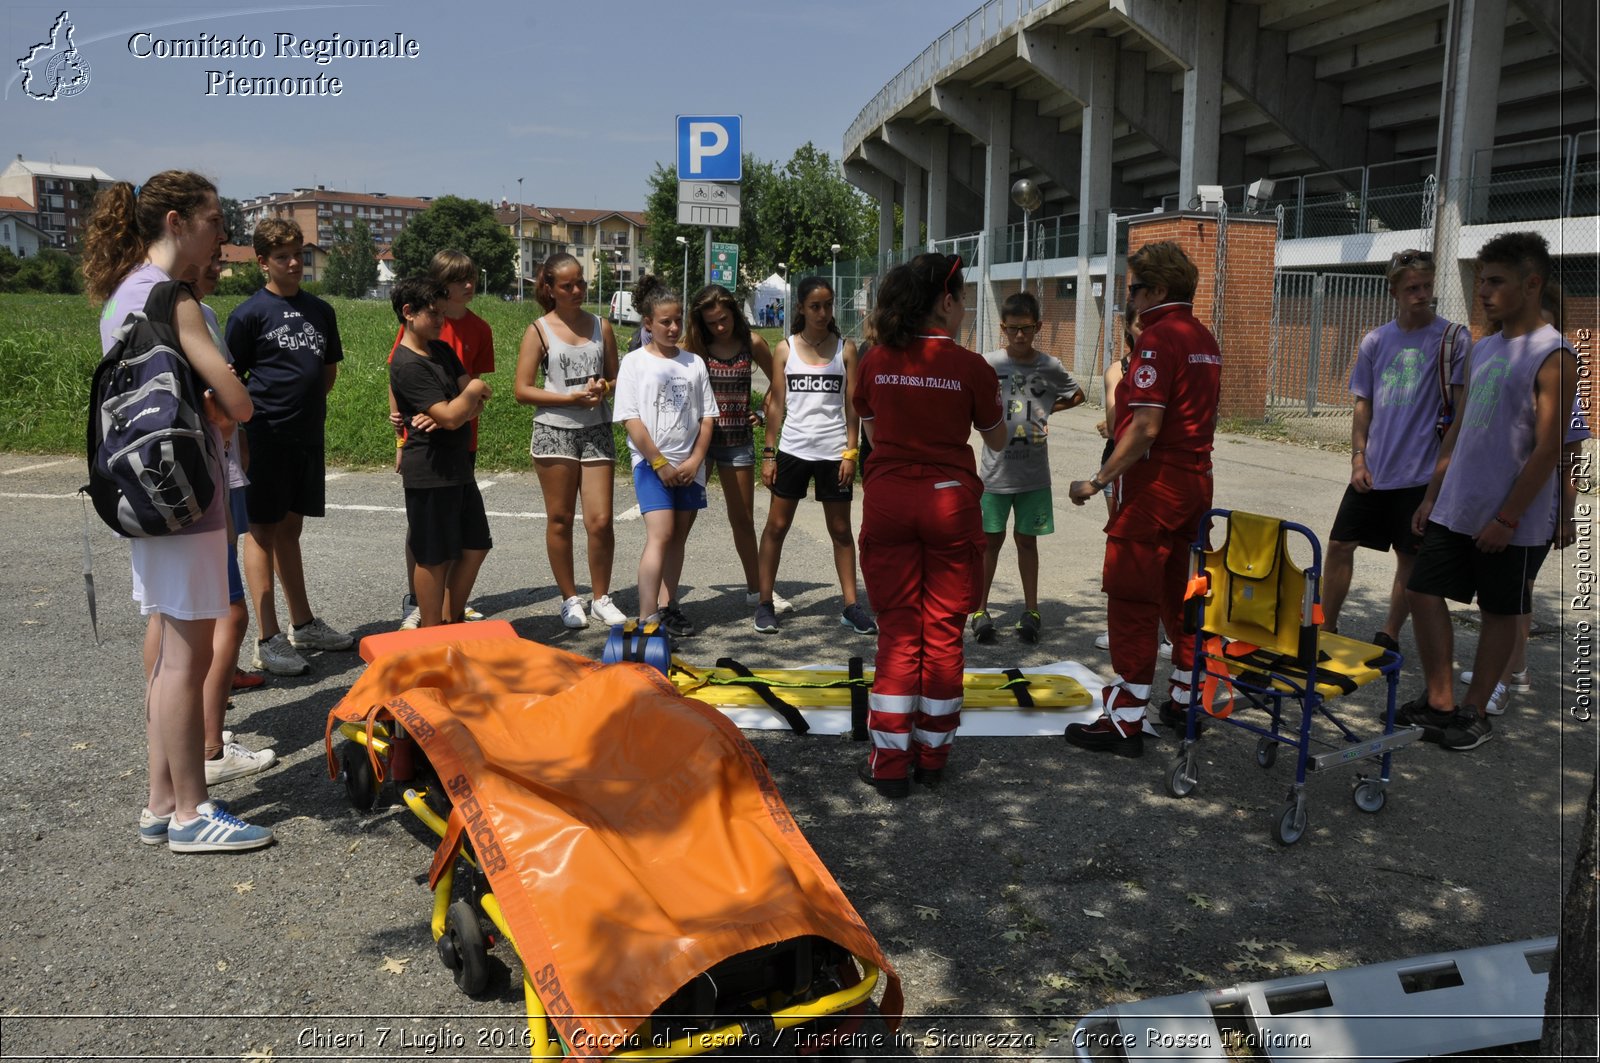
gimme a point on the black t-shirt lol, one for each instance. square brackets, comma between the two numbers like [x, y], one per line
[442, 457]
[280, 346]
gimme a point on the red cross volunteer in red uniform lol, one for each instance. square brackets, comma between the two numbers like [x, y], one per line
[1160, 472]
[919, 395]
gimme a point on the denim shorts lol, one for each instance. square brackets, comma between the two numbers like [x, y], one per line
[740, 457]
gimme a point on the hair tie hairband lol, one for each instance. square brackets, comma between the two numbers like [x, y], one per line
[136, 191]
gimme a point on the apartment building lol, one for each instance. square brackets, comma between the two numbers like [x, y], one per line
[59, 196]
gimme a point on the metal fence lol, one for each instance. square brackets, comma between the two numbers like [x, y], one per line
[1321, 318]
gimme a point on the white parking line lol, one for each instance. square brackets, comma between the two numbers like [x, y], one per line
[484, 485]
[332, 476]
[19, 494]
[41, 465]
[353, 508]
[631, 513]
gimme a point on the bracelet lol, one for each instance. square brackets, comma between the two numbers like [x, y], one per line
[1096, 484]
[850, 454]
[767, 457]
[1505, 522]
[400, 443]
[768, 452]
[659, 462]
[1357, 453]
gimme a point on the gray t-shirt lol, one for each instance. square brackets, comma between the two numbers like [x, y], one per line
[1029, 391]
[568, 368]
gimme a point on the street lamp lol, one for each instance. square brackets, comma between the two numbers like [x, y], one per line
[836, 249]
[1025, 194]
[684, 240]
[519, 240]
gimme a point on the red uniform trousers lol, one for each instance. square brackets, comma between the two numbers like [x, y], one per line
[1147, 565]
[922, 559]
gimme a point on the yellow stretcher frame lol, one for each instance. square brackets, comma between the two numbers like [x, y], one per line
[830, 687]
[543, 1045]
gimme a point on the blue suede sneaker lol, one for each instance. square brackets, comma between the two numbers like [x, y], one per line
[215, 831]
[153, 828]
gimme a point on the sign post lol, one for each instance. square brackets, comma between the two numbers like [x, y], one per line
[710, 166]
[725, 265]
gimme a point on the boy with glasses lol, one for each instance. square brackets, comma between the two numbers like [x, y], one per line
[1403, 375]
[1016, 478]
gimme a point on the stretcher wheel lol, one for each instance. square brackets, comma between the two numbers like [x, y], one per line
[1370, 796]
[1291, 826]
[360, 784]
[1180, 781]
[1266, 752]
[463, 949]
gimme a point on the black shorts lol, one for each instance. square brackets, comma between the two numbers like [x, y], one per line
[794, 473]
[1450, 565]
[443, 521]
[286, 476]
[1379, 519]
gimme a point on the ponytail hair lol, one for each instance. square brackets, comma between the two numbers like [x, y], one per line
[126, 221]
[544, 282]
[807, 286]
[651, 292]
[909, 293]
[696, 336]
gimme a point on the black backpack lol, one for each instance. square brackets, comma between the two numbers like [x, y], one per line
[152, 462]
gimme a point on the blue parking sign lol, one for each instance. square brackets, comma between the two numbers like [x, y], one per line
[708, 147]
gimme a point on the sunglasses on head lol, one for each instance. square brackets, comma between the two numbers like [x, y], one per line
[1406, 258]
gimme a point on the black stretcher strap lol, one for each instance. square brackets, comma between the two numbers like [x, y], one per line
[791, 715]
[1018, 685]
[858, 701]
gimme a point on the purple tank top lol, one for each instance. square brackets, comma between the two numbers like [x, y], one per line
[730, 383]
[1496, 437]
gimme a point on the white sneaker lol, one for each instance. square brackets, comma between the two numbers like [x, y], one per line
[1497, 701]
[1104, 641]
[572, 614]
[1520, 684]
[471, 615]
[1164, 651]
[278, 657]
[237, 761]
[780, 604]
[604, 611]
[413, 620]
[319, 636]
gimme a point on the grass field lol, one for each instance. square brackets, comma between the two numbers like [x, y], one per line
[50, 344]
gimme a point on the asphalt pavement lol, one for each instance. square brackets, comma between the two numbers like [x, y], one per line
[1043, 882]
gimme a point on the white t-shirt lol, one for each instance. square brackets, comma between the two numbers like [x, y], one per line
[670, 396]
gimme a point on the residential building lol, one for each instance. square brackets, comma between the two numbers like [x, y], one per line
[320, 213]
[536, 231]
[588, 235]
[60, 196]
[19, 230]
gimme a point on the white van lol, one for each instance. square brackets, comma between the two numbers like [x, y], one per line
[622, 311]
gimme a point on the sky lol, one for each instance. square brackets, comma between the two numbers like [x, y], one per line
[577, 98]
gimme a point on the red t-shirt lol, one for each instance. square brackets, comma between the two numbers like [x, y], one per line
[473, 341]
[1177, 367]
[923, 402]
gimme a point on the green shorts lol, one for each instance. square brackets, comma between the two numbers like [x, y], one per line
[1035, 512]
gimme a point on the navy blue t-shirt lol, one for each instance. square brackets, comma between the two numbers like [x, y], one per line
[279, 346]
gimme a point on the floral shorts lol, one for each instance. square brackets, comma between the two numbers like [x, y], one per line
[592, 444]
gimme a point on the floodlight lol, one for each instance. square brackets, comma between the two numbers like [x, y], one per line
[1210, 196]
[1259, 192]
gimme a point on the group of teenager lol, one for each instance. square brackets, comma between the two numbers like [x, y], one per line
[1478, 508]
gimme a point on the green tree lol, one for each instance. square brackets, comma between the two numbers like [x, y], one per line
[245, 278]
[233, 217]
[48, 271]
[353, 261]
[9, 264]
[465, 224]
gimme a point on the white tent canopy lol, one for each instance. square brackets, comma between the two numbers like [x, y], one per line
[772, 290]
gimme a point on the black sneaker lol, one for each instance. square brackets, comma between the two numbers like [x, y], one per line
[1418, 713]
[1386, 641]
[1176, 717]
[890, 788]
[1103, 736]
[857, 619]
[766, 619]
[1467, 730]
[982, 627]
[932, 778]
[674, 623]
[1028, 626]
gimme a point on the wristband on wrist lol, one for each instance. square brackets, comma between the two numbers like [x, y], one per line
[659, 462]
[1096, 484]
[850, 454]
[400, 443]
[1505, 521]
[1357, 453]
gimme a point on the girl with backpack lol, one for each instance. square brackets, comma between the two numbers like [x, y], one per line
[138, 238]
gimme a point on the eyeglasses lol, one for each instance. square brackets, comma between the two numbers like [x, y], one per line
[1137, 287]
[1019, 330]
[1406, 258]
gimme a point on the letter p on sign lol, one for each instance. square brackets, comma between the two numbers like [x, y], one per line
[709, 148]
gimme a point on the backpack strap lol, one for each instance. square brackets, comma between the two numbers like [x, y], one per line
[1447, 347]
[162, 303]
